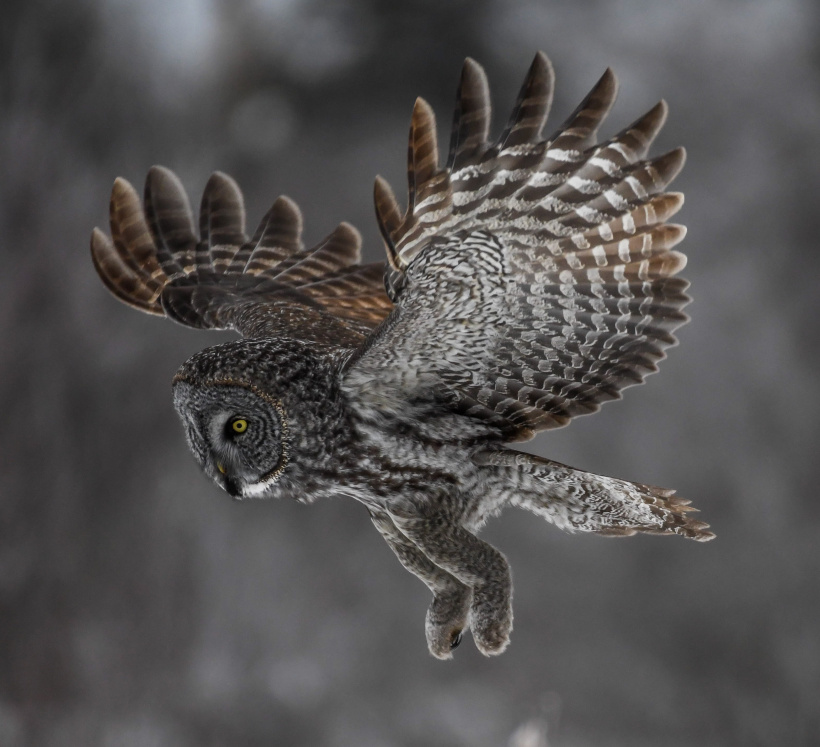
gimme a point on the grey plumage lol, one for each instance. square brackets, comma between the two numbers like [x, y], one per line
[529, 281]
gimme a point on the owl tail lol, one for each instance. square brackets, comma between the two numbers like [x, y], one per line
[582, 501]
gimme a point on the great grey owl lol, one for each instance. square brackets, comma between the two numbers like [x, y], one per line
[529, 281]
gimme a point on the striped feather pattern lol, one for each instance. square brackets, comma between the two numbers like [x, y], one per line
[590, 301]
[271, 284]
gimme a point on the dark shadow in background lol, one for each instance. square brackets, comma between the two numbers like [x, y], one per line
[139, 607]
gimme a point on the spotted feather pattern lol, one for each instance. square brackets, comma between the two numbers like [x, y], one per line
[270, 284]
[586, 301]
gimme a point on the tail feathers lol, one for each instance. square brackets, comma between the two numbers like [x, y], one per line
[671, 509]
[582, 501]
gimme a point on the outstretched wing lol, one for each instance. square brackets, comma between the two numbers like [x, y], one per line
[267, 285]
[533, 278]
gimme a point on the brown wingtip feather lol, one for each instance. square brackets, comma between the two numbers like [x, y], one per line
[99, 239]
[657, 115]
[350, 232]
[287, 223]
[121, 188]
[604, 92]
[471, 117]
[580, 128]
[157, 174]
[162, 184]
[124, 203]
[288, 210]
[103, 258]
[532, 106]
[640, 135]
[131, 235]
[279, 235]
[222, 187]
[608, 82]
[542, 67]
[473, 83]
[119, 278]
[347, 235]
[388, 215]
[422, 159]
[668, 235]
[669, 165]
[667, 204]
[387, 206]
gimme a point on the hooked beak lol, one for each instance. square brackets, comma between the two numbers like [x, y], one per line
[230, 485]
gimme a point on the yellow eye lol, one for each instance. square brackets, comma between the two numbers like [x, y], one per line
[221, 467]
[240, 425]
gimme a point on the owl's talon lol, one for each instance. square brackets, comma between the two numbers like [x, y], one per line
[447, 620]
[443, 640]
[491, 621]
[492, 641]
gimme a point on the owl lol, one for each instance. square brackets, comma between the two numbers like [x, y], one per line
[528, 281]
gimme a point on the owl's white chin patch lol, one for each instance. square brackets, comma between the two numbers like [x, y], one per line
[259, 489]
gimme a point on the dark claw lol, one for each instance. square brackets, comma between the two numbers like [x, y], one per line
[455, 639]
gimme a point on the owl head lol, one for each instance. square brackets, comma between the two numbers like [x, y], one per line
[237, 432]
[238, 403]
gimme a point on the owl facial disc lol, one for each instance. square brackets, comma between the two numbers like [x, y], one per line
[237, 433]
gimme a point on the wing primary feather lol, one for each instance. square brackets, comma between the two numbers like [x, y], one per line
[389, 218]
[130, 231]
[221, 222]
[533, 105]
[171, 221]
[580, 128]
[665, 168]
[640, 135]
[128, 262]
[471, 119]
[422, 155]
[338, 250]
[278, 237]
[120, 278]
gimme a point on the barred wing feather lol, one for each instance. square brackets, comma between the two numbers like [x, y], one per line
[533, 278]
[268, 285]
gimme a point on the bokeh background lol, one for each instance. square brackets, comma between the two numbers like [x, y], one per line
[141, 608]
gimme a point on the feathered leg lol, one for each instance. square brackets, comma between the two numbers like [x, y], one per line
[582, 501]
[448, 612]
[475, 564]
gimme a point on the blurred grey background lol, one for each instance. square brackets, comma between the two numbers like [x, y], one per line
[139, 607]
